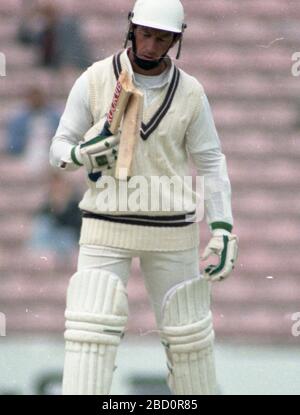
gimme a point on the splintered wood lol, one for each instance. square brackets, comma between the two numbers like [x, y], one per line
[130, 132]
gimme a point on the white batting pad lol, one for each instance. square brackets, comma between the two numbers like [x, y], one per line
[96, 316]
[187, 334]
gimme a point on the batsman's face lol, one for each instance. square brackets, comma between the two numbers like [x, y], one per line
[152, 44]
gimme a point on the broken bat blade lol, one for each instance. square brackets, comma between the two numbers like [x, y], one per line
[130, 135]
[122, 93]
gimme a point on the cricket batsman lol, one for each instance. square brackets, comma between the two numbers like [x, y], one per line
[177, 126]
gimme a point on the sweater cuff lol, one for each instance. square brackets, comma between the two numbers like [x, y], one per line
[74, 157]
[221, 225]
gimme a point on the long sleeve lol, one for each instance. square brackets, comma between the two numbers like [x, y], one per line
[217, 189]
[74, 123]
[204, 147]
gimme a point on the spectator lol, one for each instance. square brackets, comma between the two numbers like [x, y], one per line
[30, 130]
[57, 224]
[58, 37]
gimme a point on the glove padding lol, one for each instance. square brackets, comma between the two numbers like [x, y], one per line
[98, 154]
[225, 246]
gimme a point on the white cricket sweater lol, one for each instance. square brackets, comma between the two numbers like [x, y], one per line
[172, 130]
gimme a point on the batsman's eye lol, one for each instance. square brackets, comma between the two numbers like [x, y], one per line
[161, 40]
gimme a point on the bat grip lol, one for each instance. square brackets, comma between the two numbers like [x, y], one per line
[105, 130]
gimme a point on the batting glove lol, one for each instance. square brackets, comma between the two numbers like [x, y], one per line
[225, 246]
[98, 154]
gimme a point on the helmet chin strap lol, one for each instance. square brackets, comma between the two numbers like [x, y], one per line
[147, 65]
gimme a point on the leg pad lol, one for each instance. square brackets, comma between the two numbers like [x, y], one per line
[96, 316]
[188, 336]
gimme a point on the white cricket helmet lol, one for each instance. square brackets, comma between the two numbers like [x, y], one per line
[159, 14]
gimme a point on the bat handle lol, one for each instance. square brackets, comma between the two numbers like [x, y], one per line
[105, 130]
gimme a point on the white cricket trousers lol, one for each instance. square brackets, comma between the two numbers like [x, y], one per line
[187, 331]
[161, 270]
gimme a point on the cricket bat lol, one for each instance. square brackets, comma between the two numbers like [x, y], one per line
[126, 103]
[116, 110]
[122, 93]
[130, 134]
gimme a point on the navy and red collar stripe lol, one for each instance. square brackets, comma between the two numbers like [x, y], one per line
[148, 128]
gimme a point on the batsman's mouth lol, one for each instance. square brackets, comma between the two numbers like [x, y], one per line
[147, 58]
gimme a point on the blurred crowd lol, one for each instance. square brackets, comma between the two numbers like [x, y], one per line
[59, 45]
[56, 223]
[57, 37]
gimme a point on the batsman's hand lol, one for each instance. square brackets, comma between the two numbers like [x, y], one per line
[224, 245]
[97, 154]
